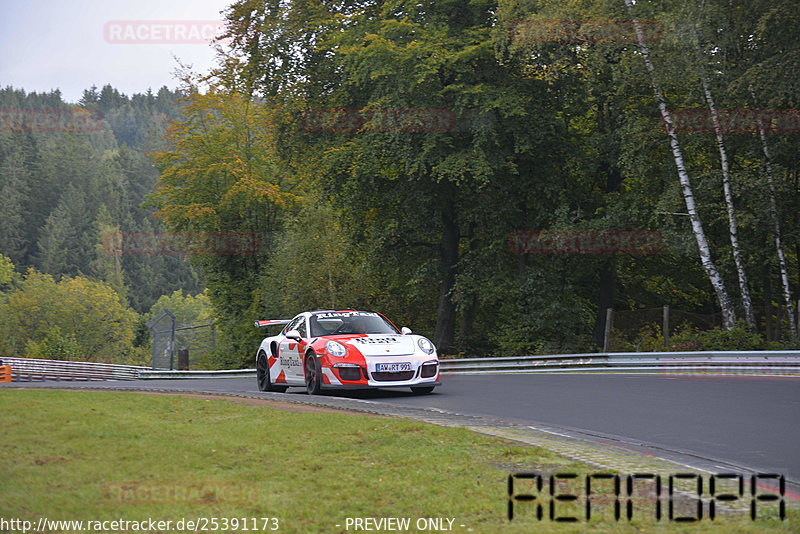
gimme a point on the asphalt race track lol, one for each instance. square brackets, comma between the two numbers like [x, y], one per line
[738, 421]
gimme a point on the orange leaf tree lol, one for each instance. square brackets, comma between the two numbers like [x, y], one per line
[223, 187]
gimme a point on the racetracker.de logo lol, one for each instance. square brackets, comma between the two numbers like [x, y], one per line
[585, 242]
[565, 31]
[418, 120]
[735, 121]
[168, 243]
[162, 31]
[180, 493]
[51, 120]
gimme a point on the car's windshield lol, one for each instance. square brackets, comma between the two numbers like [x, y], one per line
[350, 322]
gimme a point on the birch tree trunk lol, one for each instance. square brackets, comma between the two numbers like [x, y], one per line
[773, 211]
[744, 287]
[728, 314]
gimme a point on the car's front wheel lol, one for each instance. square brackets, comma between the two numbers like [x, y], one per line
[313, 374]
[422, 390]
[262, 374]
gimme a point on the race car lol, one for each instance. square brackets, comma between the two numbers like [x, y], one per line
[345, 349]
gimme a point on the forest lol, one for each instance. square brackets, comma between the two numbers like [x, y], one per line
[495, 175]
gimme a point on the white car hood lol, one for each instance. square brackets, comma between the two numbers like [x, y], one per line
[383, 345]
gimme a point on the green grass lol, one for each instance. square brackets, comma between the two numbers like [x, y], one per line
[107, 455]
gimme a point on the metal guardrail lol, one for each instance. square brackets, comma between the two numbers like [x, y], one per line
[29, 369]
[151, 374]
[668, 363]
[677, 363]
[731, 362]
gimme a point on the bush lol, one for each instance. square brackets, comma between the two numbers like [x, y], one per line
[74, 318]
[55, 346]
[737, 338]
[689, 338]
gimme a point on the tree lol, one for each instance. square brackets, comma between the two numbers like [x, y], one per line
[776, 231]
[714, 277]
[188, 310]
[13, 192]
[733, 229]
[220, 174]
[7, 272]
[53, 183]
[107, 265]
[758, 52]
[89, 312]
[53, 243]
[446, 125]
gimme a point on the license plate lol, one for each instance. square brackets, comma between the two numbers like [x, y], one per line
[393, 367]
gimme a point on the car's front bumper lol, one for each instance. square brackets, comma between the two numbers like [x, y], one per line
[382, 385]
[423, 372]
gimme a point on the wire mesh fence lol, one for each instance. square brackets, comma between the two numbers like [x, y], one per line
[180, 346]
[198, 341]
[162, 326]
[645, 329]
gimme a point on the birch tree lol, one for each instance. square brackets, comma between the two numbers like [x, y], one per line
[776, 225]
[744, 287]
[723, 298]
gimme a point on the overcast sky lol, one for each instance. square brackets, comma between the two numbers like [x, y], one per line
[71, 45]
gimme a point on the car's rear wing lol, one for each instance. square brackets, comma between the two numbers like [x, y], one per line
[269, 322]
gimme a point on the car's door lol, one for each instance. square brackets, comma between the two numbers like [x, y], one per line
[290, 351]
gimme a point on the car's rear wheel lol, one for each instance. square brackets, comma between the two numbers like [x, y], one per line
[262, 374]
[422, 390]
[313, 374]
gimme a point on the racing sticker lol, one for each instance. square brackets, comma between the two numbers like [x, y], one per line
[375, 340]
[289, 361]
[332, 315]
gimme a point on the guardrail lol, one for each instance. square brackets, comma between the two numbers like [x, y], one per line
[668, 363]
[678, 363]
[29, 369]
[153, 374]
[736, 362]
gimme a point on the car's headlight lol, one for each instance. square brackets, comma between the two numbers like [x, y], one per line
[426, 346]
[335, 348]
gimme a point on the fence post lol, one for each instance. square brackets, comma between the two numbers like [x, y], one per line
[183, 359]
[609, 323]
[666, 326]
[768, 321]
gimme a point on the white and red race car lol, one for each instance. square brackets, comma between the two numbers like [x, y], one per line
[345, 349]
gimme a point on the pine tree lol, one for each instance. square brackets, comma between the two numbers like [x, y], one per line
[13, 191]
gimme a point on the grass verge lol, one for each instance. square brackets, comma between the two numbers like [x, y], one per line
[105, 456]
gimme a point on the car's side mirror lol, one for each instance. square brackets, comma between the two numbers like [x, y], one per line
[294, 334]
[405, 330]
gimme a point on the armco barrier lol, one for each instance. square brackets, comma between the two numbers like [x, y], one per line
[28, 369]
[731, 362]
[667, 363]
[152, 374]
